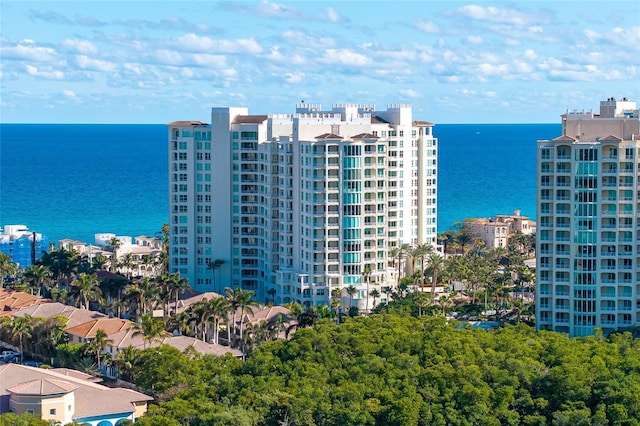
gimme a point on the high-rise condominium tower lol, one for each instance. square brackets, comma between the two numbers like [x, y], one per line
[588, 237]
[294, 206]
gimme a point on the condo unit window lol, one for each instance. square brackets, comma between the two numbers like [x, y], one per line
[52, 412]
[248, 136]
[587, 154]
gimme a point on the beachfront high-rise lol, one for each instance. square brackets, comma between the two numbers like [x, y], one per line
[588, 236]
[293, 206]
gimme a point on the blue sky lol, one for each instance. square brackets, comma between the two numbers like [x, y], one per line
[455, 62]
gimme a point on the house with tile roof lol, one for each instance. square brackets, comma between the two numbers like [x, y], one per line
[65, 398]
[12, 301]
[85, 332]
[75, 316]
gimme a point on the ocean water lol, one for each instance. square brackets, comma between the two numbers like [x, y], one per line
[73, 181]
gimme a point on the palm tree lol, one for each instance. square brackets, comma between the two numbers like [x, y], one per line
[84, 289]
[422, 300]
[8, 267]
[62, 263]
[99, 262]
[151, 329]
[233, 296]
[445, 301]
[436, 263]
[248, 305]
[336, 295]
[367, 276]
[125, 361]
[114, 244]
[37, 275]
[214, 266]
[351, 290]
[463, 238]
[216, 311]
[446, 239]
[98, 344]
[397, 254]
[128, 263]
[272, 292]
[164, 254]
[143, 294]
[176, 286]
[22, 328]
[375, 294]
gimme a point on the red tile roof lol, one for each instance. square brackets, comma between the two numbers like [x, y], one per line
[329, 136]
[187, 123]
[564, 138]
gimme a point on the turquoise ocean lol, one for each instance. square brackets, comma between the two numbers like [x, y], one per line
[76, 180]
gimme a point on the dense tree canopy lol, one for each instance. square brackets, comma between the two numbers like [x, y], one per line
[393, 370]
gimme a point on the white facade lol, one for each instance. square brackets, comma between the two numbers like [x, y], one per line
[588, 231]
[295, 205]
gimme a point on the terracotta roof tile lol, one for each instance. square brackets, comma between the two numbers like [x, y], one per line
[564, 138]
[108, 325]
[329, 136]
[187, 123]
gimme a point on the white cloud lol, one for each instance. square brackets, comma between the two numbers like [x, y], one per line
[213, 61]
[194, 43]
[475, 40]
[264, 8]
[45, 74]
[83, 47]
[307, 40]
[344, 57]
[69, 93]
[28, 51]
[293, 77]
[87, 63]
[410, 93]
[331, 15]
[429, 27]
[616, 36]
[495, 14]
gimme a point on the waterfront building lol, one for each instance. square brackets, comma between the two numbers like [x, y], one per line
[588, 235]
[293, 206]
[21, 245]
[495, 232]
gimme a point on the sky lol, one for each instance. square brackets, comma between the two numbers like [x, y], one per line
[454, 62]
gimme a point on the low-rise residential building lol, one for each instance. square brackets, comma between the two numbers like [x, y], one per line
[87, 331]
[66, 398]
[12, 301]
